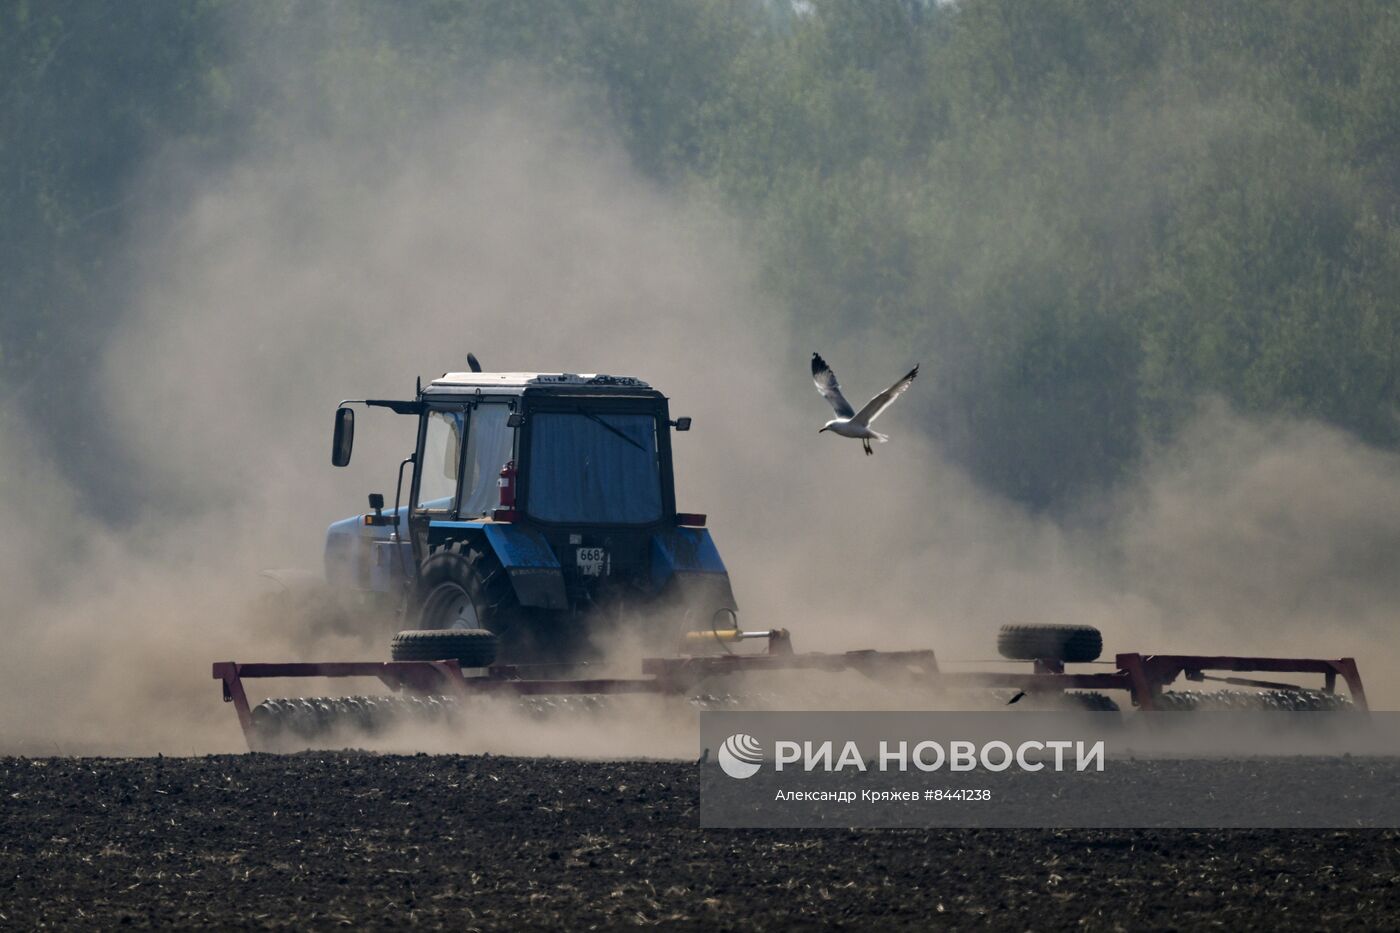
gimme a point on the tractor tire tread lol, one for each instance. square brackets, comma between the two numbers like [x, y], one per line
[480, 574]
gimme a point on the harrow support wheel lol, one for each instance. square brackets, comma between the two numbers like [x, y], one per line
[468, 647]
[1073, 644]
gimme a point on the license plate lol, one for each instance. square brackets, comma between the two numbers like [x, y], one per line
[592, 561]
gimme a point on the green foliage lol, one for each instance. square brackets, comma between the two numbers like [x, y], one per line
[1081, 216]
[1088, 215]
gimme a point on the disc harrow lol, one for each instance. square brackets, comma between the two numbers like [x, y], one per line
[449, 692]
[278, 720]
[317, 718]
[1291, 701]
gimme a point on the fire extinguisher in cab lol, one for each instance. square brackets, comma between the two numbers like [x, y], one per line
[506, 483]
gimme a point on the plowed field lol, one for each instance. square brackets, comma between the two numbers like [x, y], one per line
[324, 840]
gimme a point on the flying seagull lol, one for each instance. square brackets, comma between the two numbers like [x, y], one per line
[849, 422]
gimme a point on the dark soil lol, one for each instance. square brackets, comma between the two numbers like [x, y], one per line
[323, 840]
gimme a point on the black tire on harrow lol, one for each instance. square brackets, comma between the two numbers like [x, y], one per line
[1074, 644]
[469, 647]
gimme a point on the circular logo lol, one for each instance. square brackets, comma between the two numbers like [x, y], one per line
[740, 755]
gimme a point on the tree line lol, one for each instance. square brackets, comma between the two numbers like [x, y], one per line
[1082, 216]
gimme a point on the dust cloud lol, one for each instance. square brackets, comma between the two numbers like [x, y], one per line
[515, 228]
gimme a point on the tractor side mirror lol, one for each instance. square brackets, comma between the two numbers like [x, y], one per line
[515, 420]
[344, 440]
[682, 424]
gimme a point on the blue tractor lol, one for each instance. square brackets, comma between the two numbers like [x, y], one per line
[541, 513]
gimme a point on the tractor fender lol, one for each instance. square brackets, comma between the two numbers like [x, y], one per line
[684, 550]
[534, 571]
[686, 560]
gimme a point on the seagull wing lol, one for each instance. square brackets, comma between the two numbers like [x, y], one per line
[884, 400]
[829, 387]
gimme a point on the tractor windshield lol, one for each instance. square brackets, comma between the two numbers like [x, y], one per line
[594, 468]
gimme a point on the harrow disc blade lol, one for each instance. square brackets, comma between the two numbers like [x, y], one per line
[289, 722]
[1292, 701]
[315, 718]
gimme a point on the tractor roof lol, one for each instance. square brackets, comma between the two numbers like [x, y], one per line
[448, 382]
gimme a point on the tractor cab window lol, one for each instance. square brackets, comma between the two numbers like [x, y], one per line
[442, 452]
[489, 445]
[594, 468]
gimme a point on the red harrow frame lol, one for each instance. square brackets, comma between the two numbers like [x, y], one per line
[1142, 676]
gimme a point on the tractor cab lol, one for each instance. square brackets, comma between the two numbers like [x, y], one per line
[539, 506]
[582, 451]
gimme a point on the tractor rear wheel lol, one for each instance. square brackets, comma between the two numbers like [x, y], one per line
[1074, 644]
[462, 587]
